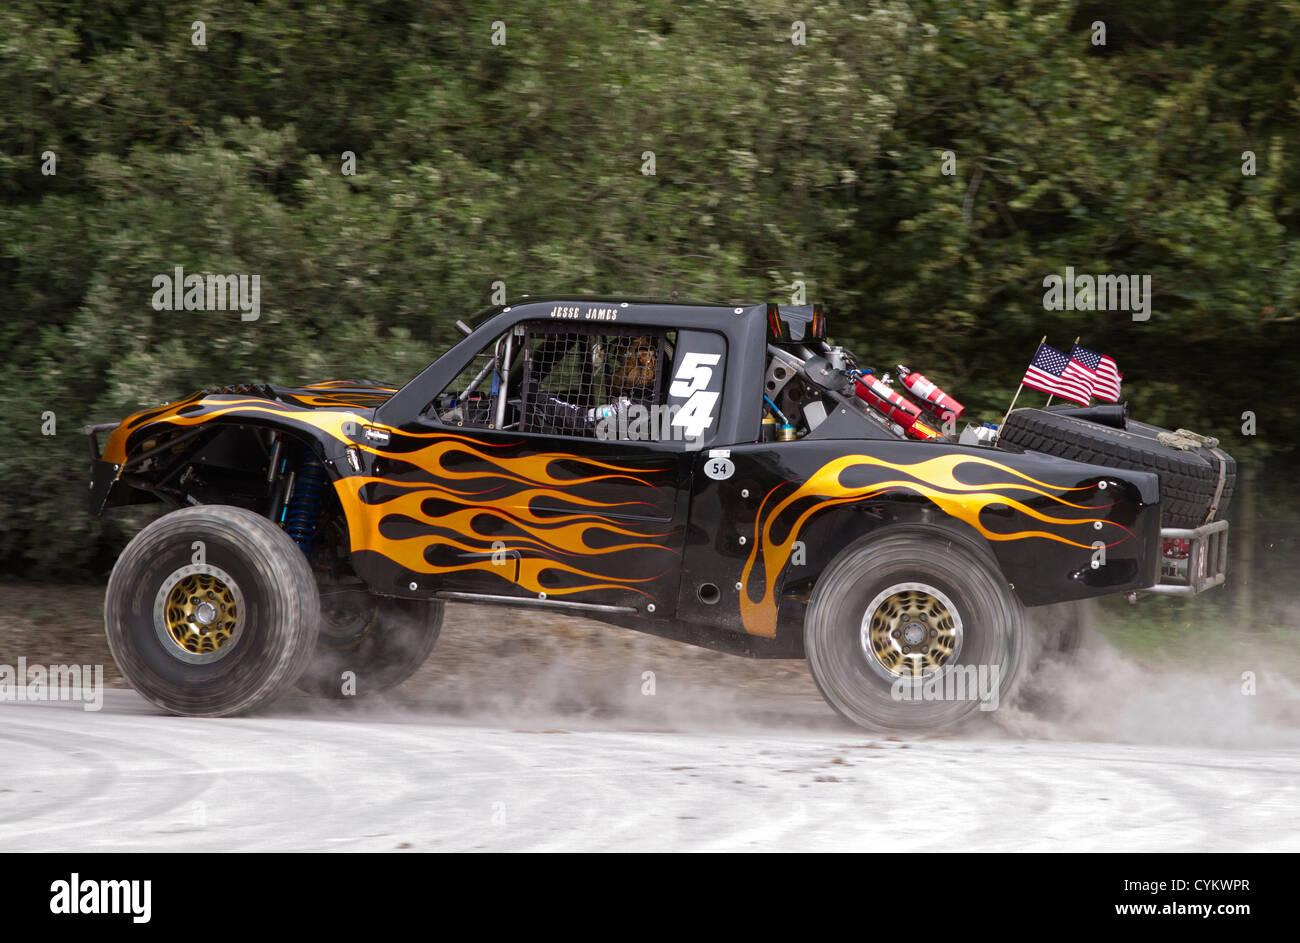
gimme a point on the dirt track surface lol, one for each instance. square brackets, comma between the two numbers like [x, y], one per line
[531, 732]
[128, 779]
[486, 657]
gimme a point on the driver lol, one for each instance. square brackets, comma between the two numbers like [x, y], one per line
[629, 367]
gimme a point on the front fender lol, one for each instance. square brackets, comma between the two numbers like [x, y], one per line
[103, 475]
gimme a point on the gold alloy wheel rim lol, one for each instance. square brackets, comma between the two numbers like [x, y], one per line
[911, 630]
[201, 614]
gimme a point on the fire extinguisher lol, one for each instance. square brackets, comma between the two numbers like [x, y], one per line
[934, 399]
[876, 394]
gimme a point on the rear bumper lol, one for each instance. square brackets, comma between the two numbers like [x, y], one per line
[1205, 565]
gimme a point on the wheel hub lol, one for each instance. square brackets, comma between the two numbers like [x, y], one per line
[199, 613]
[910, 630]
[914, 633]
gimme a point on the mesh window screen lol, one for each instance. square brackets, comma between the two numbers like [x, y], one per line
[577, 374]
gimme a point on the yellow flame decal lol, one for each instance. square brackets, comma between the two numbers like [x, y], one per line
[538, 538]
[933, 478]
[502, 489]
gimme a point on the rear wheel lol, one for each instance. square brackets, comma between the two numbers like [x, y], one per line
[369, 644]
[913, 631]
[211, 611]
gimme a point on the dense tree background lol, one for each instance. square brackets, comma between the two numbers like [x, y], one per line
[522, 162]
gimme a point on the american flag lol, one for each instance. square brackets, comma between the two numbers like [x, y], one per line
[1048, 372]
[1105, 376]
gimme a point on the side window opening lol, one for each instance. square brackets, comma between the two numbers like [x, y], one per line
[596, 380]
[599, 380]
[485, 394]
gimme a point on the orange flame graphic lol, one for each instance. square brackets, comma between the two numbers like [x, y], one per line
[933, 478]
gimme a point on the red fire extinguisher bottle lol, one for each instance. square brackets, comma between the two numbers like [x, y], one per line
[935, 399]
[871, 390]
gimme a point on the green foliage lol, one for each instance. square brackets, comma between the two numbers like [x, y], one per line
[522, 162]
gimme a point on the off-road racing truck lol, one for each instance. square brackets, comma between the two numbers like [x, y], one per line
[721, 475]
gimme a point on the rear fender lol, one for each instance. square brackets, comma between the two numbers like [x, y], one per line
[788, 509]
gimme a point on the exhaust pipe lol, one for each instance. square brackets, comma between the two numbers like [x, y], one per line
[1115, 416]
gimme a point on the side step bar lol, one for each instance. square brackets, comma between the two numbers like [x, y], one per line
[533, 601]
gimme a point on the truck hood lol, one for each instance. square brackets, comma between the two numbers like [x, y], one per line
[256, 403]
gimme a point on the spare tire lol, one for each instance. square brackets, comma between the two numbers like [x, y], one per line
[1189, 478]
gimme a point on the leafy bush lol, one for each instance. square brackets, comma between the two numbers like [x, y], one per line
[523, 163]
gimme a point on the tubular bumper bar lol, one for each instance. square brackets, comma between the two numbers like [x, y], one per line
[92, 434]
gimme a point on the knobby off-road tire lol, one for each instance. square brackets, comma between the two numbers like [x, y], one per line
[952, 585]
[1060, 630]
[211, 611]
[1188, 478]
[370, 644]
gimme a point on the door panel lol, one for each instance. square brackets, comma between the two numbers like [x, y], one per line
[554, 503]
[588, 521]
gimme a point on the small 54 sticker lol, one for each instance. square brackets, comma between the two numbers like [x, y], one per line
[719, 469]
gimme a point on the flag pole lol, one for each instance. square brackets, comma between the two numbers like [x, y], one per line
[1049, 395]
[1018, 389]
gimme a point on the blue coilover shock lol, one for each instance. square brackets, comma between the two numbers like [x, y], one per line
[303, 509]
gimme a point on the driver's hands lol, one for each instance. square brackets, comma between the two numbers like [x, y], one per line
[609, 410]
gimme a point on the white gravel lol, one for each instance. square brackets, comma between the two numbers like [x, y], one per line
[301, 778]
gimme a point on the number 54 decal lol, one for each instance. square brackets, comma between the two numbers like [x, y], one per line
[691, 384]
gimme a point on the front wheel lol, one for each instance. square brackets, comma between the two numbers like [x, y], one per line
[211, 610]
[913, 632]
